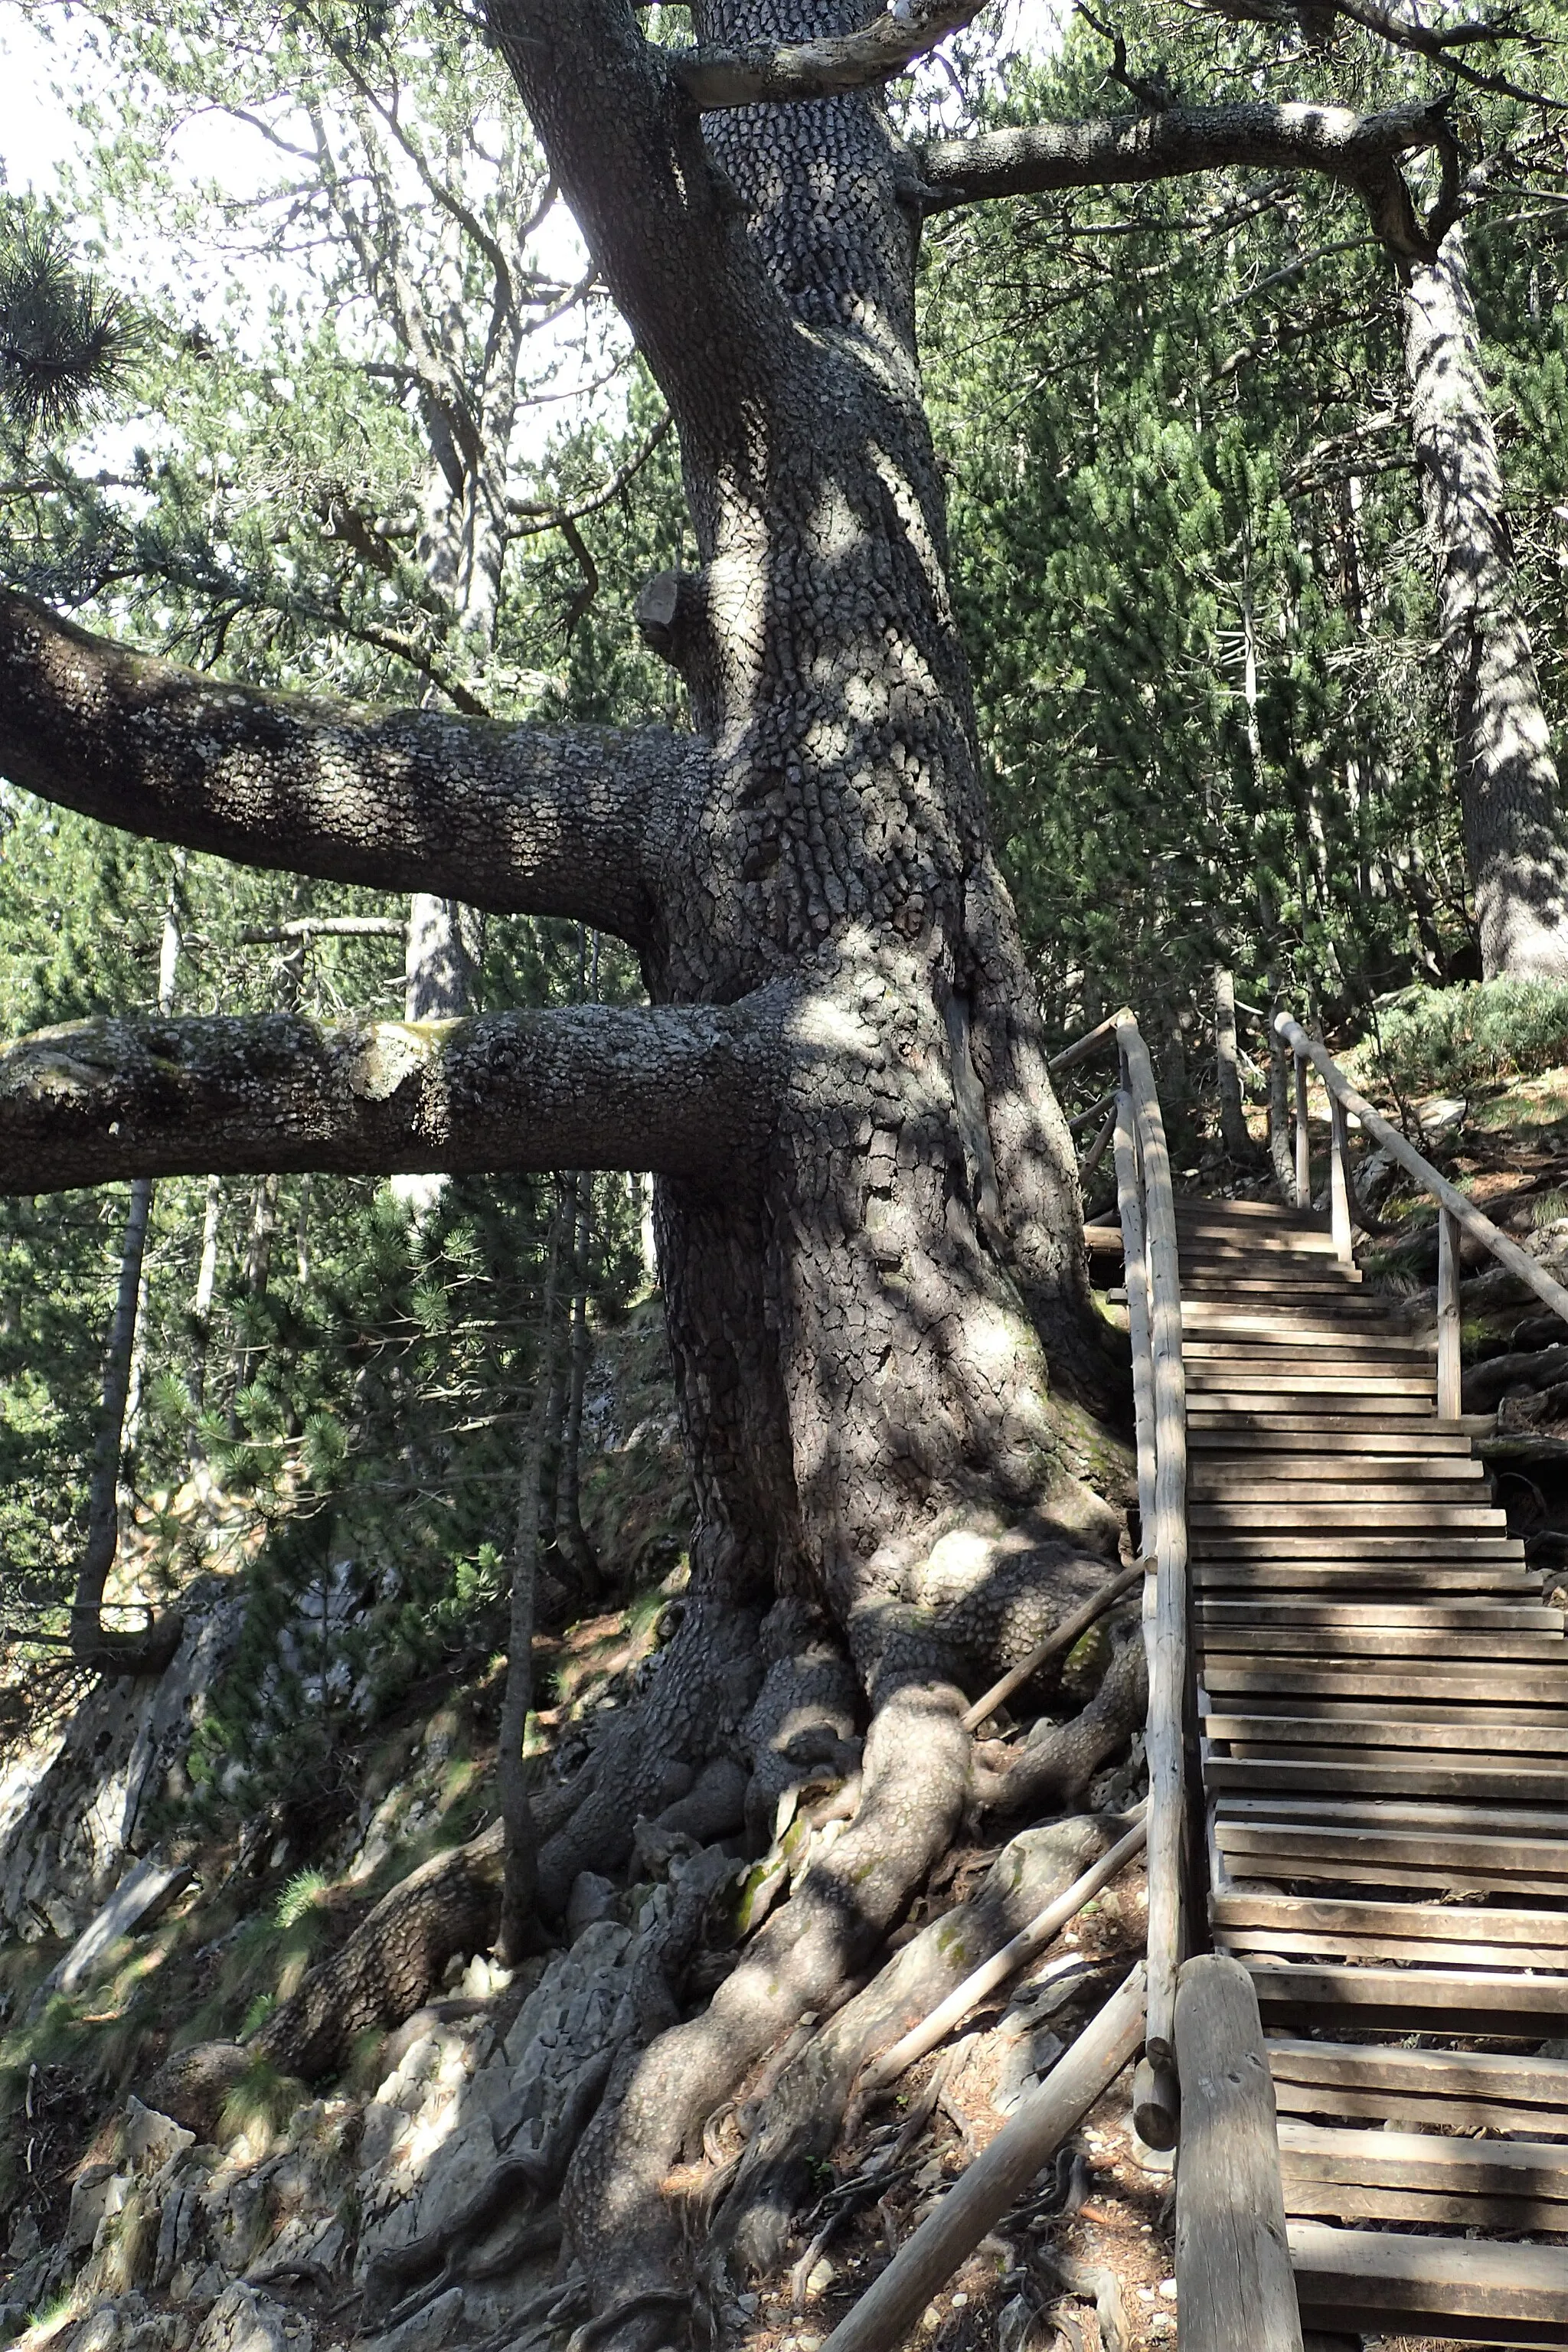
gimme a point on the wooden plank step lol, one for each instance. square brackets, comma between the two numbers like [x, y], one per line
[1518, 1617]
[1191, 1205]
[1326, 1944]
[1333, 1869]
[1411, 1991]
[1466, 2168]
[1203, 1248]
[1372, 2280]
[1349, 1316]
[1449, 1478]
[1276, 1851]
[1228, 1513]
[1513, 1823]
[1389, 1679]
[1486, 1644]
[1318, 1433]
[1374, 1729]
[1409, 1776]
[1301, 1396]
[1457, 1548]
[1236, 1576]
[1323, 1279]
[1308, 2198]
[1541, 2082]
[1334, 1716]
[1303, 1342]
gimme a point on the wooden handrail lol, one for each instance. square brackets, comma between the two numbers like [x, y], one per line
[1154, 1321]
[1456, 1212]
[1092, 1042]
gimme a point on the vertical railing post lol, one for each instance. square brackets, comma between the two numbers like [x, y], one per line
[1165, 1627]
[1303, 1138]
[1340, 1180]
[1135, 1263]
[1448, 1319]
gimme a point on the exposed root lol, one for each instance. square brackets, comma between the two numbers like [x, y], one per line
[619, 2218]
[1057, 1762]
[524, 2179]
[391, 1963]
[805, 2109]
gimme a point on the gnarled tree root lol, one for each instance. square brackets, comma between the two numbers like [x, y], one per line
[526, 2178]
[807, 2105]
[620, 2220]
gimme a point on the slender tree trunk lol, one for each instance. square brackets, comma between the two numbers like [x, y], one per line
[123, 1374]
[1281, 1078]
[202, 1312]
[1232, 1110]
[571, 1537]
[1515, 840]
[555, 1377]
[518, 1931]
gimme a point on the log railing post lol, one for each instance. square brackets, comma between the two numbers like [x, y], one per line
[1235, 2291]
[1165, 1625]
[1340, 1180]
[1303, 1138]
[1448, 1318]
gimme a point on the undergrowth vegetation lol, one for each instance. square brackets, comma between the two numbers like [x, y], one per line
[1455, 1040]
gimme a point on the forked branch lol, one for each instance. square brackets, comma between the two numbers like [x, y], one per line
[687, 1091]
[521, 819]
[771, 72]
[1359, 151]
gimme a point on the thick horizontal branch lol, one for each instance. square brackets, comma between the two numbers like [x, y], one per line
[771, 72]
[686, 1091]
[1359, 151]
[521, 819]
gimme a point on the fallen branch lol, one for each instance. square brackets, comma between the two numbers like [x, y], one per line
[1062, 1638]
[1041, 1930]
[889, 2307]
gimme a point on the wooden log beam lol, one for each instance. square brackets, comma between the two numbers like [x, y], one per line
[1233, 2283]
[1031, 2136]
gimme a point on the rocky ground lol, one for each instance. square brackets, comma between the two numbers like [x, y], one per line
[407, 2204]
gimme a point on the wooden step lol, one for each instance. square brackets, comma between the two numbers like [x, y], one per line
[1298, 1336]
[1381, 2282]
[1330, 1856]
[1388, 1679]
[1351, 1395]
[1375, 1730]
[1479, 1647]
[1319, 1278]
[1521, 1617]
[1417, 1993]
[1457, 1549]
[1387, 1776]
[1490, 1936]
[1202, 1244]
[1228, 1514]
[1250, 1431]
[1233, 1578]
[1356, 1714]
[1539, 2085]
[1293, 1479]
[1191, 1205]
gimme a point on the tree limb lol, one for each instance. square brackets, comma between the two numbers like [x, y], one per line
[687, 1091]
[523, 819]
[769, 72]
[1361, 152]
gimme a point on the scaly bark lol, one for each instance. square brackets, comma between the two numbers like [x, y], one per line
[1516, 841]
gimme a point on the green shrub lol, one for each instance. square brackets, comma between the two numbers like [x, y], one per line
[1453, 1040]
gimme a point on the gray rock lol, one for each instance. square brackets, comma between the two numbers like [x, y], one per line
[151, 2138]
[426, 2331]
[592, 1899]
[244, 2319]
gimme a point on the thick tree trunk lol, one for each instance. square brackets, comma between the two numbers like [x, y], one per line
[1515, 838]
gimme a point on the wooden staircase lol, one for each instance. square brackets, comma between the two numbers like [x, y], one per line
[1384, 1708]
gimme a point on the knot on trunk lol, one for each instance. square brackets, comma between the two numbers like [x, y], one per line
[672, 616]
